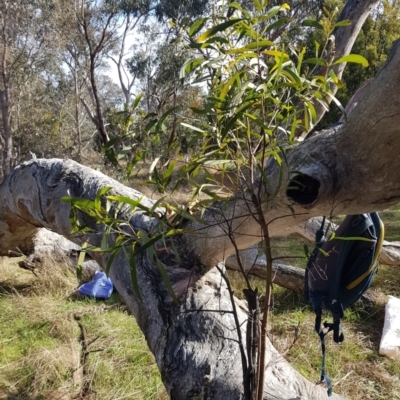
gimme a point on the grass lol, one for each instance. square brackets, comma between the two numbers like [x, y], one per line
[40, 348]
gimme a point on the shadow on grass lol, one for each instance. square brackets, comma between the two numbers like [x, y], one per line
[7, 287]
[8, 396]
[114, 300]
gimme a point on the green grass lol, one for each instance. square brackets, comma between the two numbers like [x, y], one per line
[40, 351]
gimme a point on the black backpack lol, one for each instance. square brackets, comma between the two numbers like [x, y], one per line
[340, 270]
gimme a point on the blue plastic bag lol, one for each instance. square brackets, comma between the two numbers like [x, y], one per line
[100, 287]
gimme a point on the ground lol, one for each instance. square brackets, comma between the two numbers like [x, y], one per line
[41, 347]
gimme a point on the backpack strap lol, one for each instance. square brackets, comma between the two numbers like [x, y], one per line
[318, 328]
[319, 241]
[359, 225]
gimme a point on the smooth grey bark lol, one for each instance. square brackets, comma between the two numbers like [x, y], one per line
[195, 344]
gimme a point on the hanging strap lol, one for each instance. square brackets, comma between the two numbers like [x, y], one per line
[318, 328]
[319, 241]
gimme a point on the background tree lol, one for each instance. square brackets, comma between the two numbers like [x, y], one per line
[25, 50]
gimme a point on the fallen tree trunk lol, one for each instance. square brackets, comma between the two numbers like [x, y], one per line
[186, 339]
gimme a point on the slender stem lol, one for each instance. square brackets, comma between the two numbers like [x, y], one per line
[267, 306]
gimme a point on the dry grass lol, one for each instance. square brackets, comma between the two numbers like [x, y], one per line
[40, 348]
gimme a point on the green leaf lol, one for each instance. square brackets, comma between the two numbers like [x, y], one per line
[196, 26]
[101, 192]
[136, 101]
[275, 10]
[110, 153]
[150, 125]
[323, 252]
[240, 8]
[217, 28]
[150, 115]
[306, 251]
[259, 44]
[127, 200]
[113, 141]
[169, 170]
[166, 280]
[133, 270]
[355, 238]
[277, 24]
[313, 23]
[105, 238]
[258, 5]
[228, 85]
[114, 254]
[300, 59]
[339, 104]
[353, 58]
[153, 165]
[193, 127]
[257, 121]
[156, 204]
[316, 61]
[311, 110]
[139, 156]
[345, 22]
[189, 66]
[165, 115]
[293, 75]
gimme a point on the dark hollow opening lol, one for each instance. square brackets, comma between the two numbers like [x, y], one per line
[303, 189]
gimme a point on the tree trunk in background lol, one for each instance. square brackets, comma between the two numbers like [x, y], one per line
[343, 40]
[7, 141]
